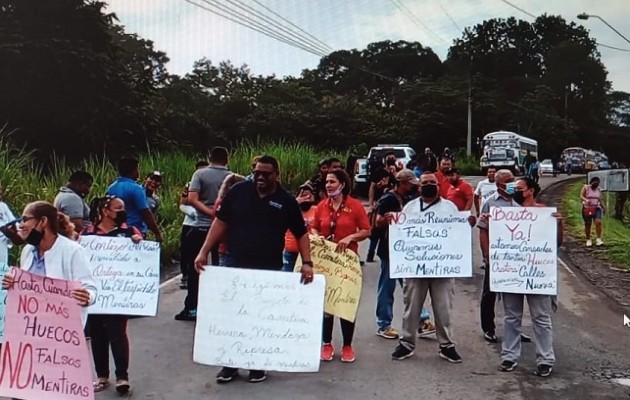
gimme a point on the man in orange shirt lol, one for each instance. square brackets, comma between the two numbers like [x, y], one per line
[459, 191]
[442, 176]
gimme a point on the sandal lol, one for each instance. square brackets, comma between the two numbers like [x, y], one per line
[100, 385]
[122, 386]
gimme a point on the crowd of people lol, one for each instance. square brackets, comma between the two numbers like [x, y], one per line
[251, 221]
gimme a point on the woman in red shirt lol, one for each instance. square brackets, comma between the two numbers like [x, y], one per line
[343, 220]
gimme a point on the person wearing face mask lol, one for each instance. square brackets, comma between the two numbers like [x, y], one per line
[343, 220]
[49, 251]
[441, 289]
[592, 210]
[110, 330]
[502, 198]
[306, 201]
[541, 307]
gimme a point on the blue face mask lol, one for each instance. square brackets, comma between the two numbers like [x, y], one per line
[510, 188]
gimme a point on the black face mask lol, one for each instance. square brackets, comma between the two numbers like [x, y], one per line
[121, 217]
[34, 237]
[306, 206]
[429, 191]
[390, 162]
[519, 197]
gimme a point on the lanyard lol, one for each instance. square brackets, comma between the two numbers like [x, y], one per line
[334, 216]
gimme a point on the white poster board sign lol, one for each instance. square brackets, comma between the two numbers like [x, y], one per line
[4, 269]
[262, 320]
[523, 250]
[127, 275]
[428, 245]
[611, 180]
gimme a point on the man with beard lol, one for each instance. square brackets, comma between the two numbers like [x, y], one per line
[71, 199]
[253, 219]
[459, 192]
[391, 203]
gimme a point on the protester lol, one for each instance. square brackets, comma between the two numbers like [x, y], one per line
[428, 161]
[71, 199]
[227, 184]
[383, 182]
[442, 176]
[391, 164]
[540, 306]
[186, 256]
[390, 203]
[306, 201]
[49, 251]
[485, 189]
[250, 177]
[319, 181]
[592, 210]
[441, 289]
[202, 194]
[343, 220]
[459, 192]
[534, 170]
[152, 183]
[108, 330]
[502, 198]
[252, 242]
[133, 195]
[334, 164]
[8, 229]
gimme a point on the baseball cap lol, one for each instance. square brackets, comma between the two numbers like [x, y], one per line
[156, 176]
[308, 185]
[407, 175]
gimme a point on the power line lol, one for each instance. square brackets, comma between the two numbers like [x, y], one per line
[252, 11]
[234, 17]
[416, 20]
[612, 47]
[518, 8]
[294, 25]
[448, 15]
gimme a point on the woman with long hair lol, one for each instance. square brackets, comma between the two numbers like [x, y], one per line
[106, 330]
[592, 210]
[341, 219]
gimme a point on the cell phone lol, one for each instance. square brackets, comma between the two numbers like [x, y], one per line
[10, 224]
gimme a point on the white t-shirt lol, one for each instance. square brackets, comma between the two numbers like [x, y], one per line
[485, 189]
[6, 216]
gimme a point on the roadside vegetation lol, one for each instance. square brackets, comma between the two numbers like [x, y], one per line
[616, 234]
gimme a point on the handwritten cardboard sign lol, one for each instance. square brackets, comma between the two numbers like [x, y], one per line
[430, 245]
[127, 275]
[4, 269]
[523, 250]
[343, 274]
[264, 320]
[44, 355]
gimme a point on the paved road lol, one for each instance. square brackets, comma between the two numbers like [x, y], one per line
[591, 344]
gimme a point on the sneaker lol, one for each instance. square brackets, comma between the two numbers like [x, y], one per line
[426, 329]
[507, 366]
[599, 242]
[525, 338]
[543, 370]
[347, 354]
[490, 337]
[449, 353]
[227, 374]
[589, 243]
[388, 333]
[186, 315]
[401, 352]
[256, 376]
[328, 352]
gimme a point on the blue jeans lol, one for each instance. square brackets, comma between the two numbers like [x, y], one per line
[385, 299]
[288, 260]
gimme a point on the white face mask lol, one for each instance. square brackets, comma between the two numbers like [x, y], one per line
[336, 193]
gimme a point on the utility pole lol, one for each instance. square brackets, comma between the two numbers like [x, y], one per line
[469, 136]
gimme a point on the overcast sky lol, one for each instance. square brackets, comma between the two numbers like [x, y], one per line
[187, 33]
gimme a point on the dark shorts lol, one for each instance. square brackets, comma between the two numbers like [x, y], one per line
[598, 215]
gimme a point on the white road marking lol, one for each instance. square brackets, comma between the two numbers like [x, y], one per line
[566, 267]
[166, 283]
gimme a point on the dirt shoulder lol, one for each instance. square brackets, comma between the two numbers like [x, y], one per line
[590, 262]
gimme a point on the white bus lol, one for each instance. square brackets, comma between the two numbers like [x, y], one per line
[508, 150]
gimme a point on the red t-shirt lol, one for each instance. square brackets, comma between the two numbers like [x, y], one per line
[352, 218]
[444, 182]
[460, 194]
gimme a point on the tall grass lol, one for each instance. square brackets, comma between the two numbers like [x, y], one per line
[24, 181]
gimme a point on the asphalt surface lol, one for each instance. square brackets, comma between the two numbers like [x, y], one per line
[592, 349]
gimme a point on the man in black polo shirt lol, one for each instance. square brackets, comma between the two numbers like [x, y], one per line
[253, 218]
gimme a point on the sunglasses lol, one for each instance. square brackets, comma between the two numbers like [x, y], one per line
[264, 174]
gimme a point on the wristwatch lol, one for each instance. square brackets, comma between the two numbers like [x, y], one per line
[309, 263]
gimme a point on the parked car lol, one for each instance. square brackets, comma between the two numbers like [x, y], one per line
[546, 167]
